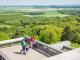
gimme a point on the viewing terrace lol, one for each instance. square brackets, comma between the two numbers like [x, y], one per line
[10, 50]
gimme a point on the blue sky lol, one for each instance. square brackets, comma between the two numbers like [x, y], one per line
[40, 2]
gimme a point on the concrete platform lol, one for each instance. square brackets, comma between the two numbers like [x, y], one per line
[13, 54]
[70, 55]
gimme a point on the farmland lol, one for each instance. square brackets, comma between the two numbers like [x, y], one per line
[34, 12]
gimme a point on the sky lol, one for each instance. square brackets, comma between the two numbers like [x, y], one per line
[39, 2]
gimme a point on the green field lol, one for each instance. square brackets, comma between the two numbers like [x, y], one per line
[53, 13]
[50, 13]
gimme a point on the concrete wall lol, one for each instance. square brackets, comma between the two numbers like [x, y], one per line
[60, 45]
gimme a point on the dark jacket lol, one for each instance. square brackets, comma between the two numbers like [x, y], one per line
[27, 40]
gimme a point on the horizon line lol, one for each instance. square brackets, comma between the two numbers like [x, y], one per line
[39, 5]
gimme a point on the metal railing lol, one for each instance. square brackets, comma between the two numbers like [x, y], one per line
[46, 49]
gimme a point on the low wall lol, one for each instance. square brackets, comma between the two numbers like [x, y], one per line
[59, 46]
[3, 56]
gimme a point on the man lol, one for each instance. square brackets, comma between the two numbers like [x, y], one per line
[23, 47]
[27, 40]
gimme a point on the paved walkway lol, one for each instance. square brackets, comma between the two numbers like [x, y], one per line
[13, 54]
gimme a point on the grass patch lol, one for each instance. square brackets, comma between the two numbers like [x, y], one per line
[52, 12]
[75, 45]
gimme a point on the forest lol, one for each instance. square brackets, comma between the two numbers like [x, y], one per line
[46, 29]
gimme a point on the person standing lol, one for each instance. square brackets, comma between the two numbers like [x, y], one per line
[27, 40]
[27, 46]
[32, 42]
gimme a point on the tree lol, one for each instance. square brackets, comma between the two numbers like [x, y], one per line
[4, 36]
[46, 37]
[78, 40]
[23, 23]
[65, 34]
[73, 36]
[69, 35]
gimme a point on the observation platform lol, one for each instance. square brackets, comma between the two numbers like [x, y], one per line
[10, 50]
[13, 53]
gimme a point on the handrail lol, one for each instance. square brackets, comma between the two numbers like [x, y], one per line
[47, 45]
[11, 41]
[48, 50]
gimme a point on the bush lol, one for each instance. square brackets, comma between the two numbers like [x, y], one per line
[4, 36]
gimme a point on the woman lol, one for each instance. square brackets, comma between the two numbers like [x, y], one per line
[32, 42]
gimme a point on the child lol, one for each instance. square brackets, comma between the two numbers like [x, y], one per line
[27, 46]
